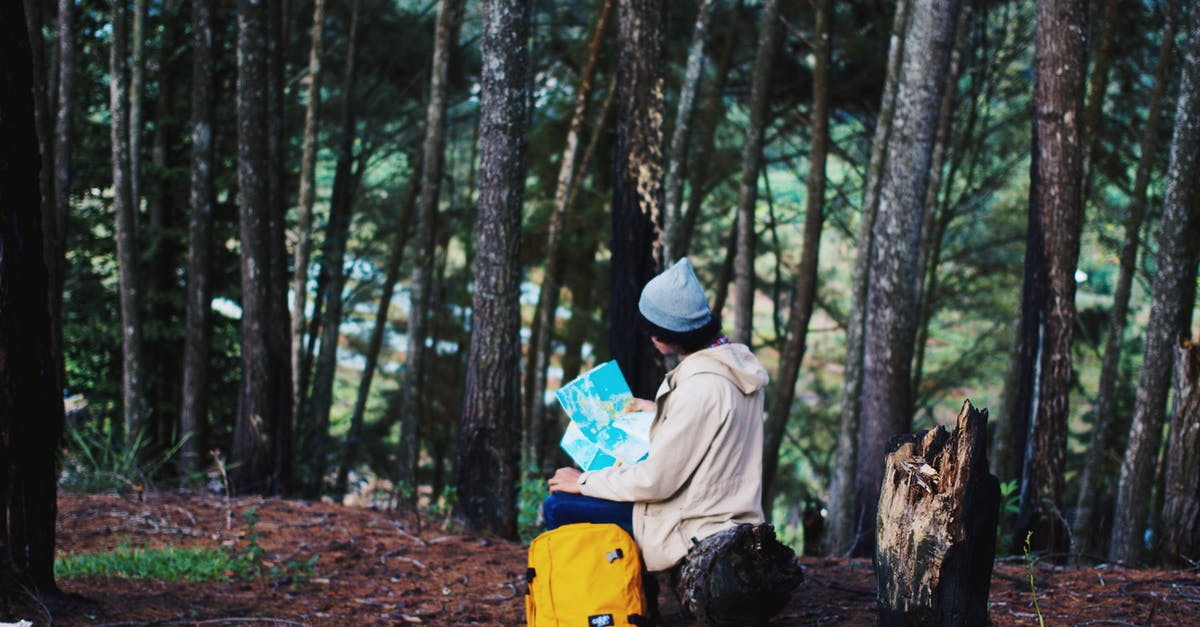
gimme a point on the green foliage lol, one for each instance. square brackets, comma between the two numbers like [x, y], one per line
[168, 564]
[100, 460]
[251, 562]
[445, 504]
[191, 564]
[529, 506]
[253, 556]
[1009, 506]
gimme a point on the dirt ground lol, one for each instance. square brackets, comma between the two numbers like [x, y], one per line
[386, 568]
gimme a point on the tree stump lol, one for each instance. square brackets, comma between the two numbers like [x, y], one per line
[740, 576]
[935, 532]
[1181, 503]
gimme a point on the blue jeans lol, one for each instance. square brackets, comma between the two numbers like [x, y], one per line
[561, 508]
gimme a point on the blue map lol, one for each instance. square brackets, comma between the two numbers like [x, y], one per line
[602, 433]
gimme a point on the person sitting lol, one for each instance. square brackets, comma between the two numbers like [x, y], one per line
[703, 473]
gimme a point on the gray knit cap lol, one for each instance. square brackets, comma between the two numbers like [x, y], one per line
[674, 299]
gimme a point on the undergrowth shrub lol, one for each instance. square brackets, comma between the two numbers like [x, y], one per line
[529, 505]
[97, 459]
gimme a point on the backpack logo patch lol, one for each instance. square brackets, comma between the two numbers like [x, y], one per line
[601, 620]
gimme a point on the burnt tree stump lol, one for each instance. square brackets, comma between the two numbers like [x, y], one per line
[740, 576]
[935, 532]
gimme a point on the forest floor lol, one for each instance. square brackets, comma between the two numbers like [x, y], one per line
[387, 567]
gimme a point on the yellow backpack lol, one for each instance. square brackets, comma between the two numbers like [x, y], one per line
[584, 575]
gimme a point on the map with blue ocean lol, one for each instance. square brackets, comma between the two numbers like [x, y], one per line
[601, 432]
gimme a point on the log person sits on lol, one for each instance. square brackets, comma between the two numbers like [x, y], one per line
[703, 473]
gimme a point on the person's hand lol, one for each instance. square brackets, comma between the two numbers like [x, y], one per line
[640, 404]
[565, 480]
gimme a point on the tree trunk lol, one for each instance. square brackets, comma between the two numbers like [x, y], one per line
[742, 575]
[713, 114]
[637, 186]
[936, 531]
[35, 20]
[1052, 251]
[1006, 462]
[1176, 270]
[278, 334]
[725, 274]
[1101, 62]
[544, 316]
[126, 221]
[891, 313]
[937, 218]
[193, 413]
[805, 291]
[375, 343]
[252, 444]
[752, 159]
[1180, 522]
[31, 410]
[488, 436]
[137, 87]
[54, 216]
[341, 212]
[412, 404]
[847, 526]
[308, 159]
[1092, 480]
[161, 259]
[682, 132]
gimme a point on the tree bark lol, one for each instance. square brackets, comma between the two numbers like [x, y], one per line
[891, 313]
[741, 575]
[543, 326]
[412, 403]
[252, 444]
[1180, 522]
[303, 246]
[278, 335]
[341, 212]
[1176, 270]
[681, 134]
[488, 437]
[1052, 251]
[937, 217]
[161, 258]
[847, 526]
[805, 290]
[725, 274]
[936, 531]
[137, 82]
[43, 104]
[193, 413]
[713, 114]
[125, 214]
[752, 159]
[1091, 479]
[31, 408]
[1101, 62]
[637, 186]
[54, 216]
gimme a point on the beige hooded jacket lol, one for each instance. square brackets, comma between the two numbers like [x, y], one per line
[704, 470]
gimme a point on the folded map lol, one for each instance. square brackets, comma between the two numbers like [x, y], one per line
[601, 432]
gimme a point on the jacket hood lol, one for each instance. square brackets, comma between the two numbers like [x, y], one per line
[732, 361]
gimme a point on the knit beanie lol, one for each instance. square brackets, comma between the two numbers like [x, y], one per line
[674, 299]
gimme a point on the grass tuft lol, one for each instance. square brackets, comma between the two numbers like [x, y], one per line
[168, 564]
